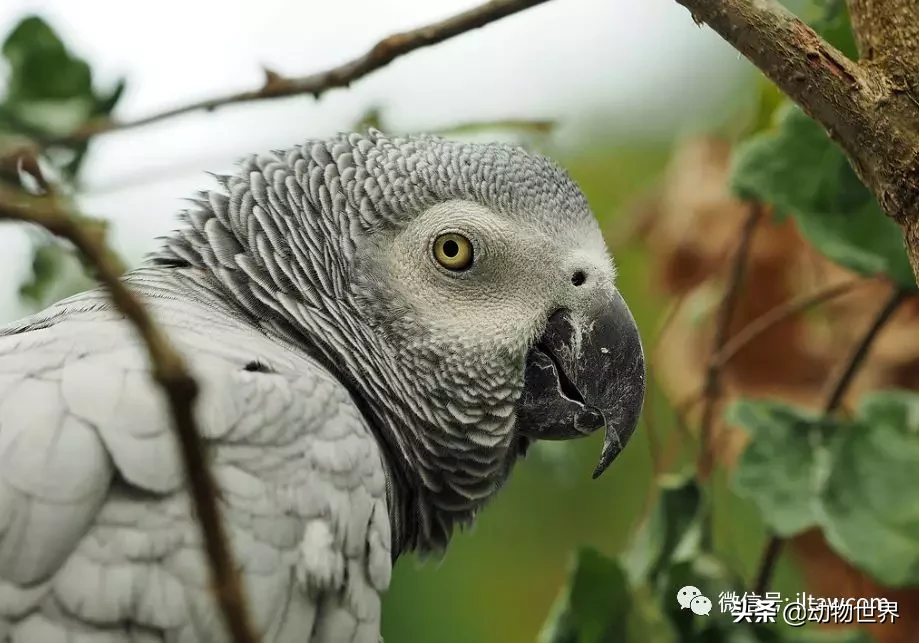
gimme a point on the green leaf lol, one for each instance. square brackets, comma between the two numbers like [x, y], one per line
[769, 101]
[857, 479]
[778, 470]
[813, 635]
[371, 118]
[870, 502]
[46, 265]
[835, 26]
[649, 621]
[798, 170]
[49, 90]
[105, 103]
[41, 67]
[595, 606]
[670, 533]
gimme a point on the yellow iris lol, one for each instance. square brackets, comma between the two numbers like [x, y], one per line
[453, 251]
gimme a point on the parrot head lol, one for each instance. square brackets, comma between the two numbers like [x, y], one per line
[462, 292]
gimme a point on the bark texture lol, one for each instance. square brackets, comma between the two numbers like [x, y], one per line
[869, 107]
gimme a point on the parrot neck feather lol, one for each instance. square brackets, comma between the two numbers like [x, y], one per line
[287, 270]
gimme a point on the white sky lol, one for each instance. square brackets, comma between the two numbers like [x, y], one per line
[640, 64]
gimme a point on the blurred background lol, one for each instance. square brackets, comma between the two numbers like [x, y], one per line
[635, 100]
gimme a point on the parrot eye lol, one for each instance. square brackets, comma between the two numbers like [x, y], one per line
[453, 251]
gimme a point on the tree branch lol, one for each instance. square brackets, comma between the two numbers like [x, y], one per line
[780, 313]
[276, 86]
[180, 388]
[836, 391]
[870, 114]
[712, 389]
[887, 34]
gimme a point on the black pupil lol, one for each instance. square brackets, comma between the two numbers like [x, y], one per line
[451, 248]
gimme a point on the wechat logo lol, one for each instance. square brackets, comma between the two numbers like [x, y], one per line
[690, 598]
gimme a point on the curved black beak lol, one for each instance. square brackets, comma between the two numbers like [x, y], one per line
[583, 375]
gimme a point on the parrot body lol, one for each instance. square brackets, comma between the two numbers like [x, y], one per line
[97, 530]
[379, 328]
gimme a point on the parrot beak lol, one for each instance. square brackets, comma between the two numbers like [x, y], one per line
[583, 375]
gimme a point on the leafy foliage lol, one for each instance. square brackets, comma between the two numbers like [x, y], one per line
[634, 597]
[871, 516]
[49, 94]
[595, 606]
[796, 168]
[778, 467]
[855, 479]
[800, 469]
[800, 172]
[50, 91]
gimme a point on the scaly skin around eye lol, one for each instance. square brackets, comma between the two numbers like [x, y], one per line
[453, 251]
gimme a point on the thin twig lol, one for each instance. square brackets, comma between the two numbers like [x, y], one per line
[712, 388]
[780, 313]
[654, 438]
[654, 441]
[193, 164]
[277, 86]
[752, 331]
[670, 316]
[179, 386]
[836, 391]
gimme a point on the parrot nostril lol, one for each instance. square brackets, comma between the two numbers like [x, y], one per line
[578, 278]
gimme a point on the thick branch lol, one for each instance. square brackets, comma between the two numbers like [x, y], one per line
[887, 33]
[380, 55]
[180, 388]
[870, 114]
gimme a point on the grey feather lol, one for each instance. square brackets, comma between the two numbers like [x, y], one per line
[379, 416]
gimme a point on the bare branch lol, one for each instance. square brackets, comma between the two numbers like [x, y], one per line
[752, 331]
[380, 55]
[780, 313]
[840, 383]
[170, 372]
[712, 389]
[836, 391]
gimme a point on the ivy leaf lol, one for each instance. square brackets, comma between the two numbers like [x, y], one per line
[778, 469]
[41, 68]
[57, 272]
[46, 266]
[835, 25]
[855, 479]
[650, 621]
[711, 576]
[797, 169]
[595, 606]
[49, 90]
[670, 533]
[805, 635]
[870, 513]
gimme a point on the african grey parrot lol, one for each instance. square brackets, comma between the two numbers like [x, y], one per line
[380, 327]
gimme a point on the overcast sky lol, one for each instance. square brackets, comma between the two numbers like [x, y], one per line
[640, 64]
